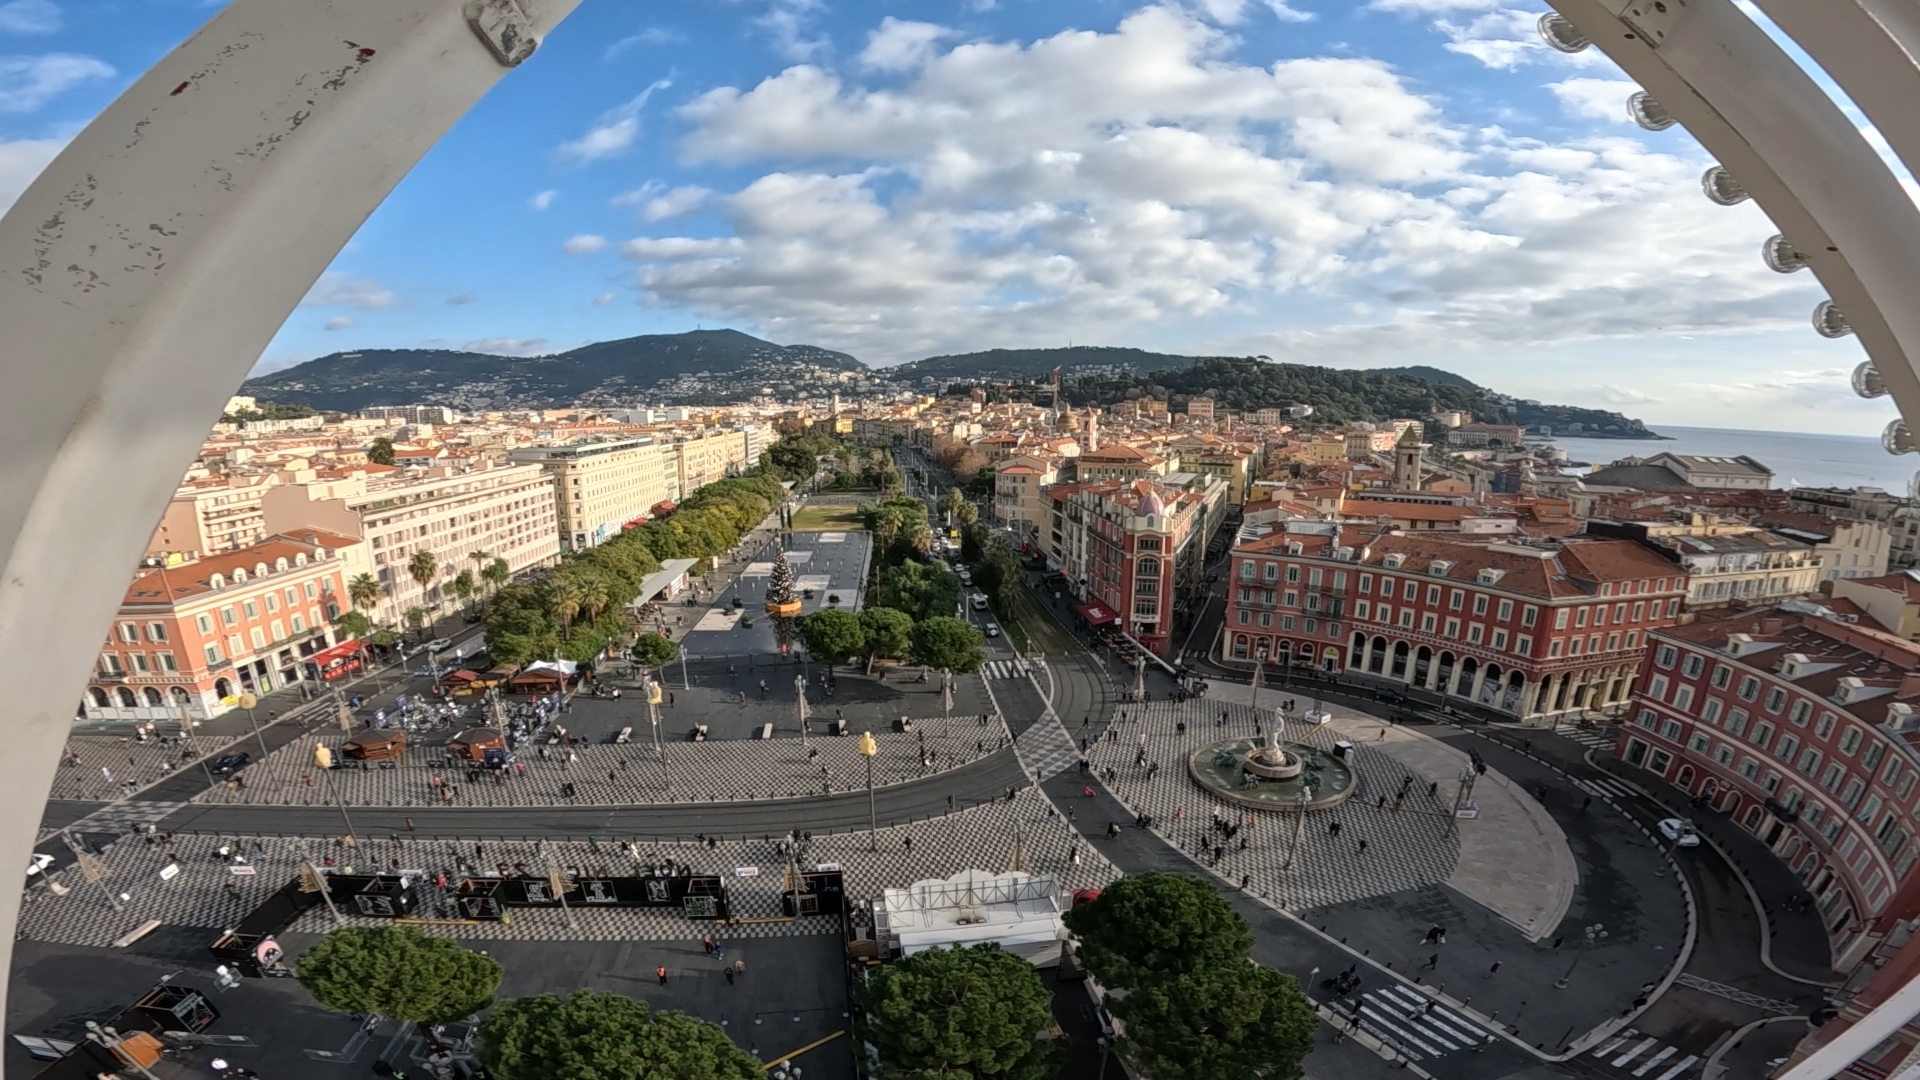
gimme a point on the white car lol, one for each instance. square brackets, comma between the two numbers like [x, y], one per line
[1680, 832]
[992, 630]
[979, 602]
[37, 864]
[439, 645]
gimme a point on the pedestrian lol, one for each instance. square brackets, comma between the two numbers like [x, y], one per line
[719, 949]
[729, 974]
[1433, 962]
[1433, 789]
[661, 972]
[1333, 828]
[739, 967]
[1363, 847]
[1494, 970]
[1586, 802]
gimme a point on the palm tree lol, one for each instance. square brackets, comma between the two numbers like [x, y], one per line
[497, 574]
[422, 567]
[951, 502]
[594, 597]
[365, 591]
[563, 603]
[463, 586]
[968, 513]
[480, 560]
[417, 617]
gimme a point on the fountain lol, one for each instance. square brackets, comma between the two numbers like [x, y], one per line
[1272, 774]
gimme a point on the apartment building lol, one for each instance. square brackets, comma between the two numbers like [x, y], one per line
[601, 486]
[192, 633]
[1019, 495]
[1799, 726]
[1118, 461]
[1725, 562]
[1867, 504]
[1842, 548]
[1527, 629]
[507, 510]
[211, 514]
[709, 455]
[1133, 550]
[1893, 601]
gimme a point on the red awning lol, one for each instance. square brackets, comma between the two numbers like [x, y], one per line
[1097, 613]
[338, 652]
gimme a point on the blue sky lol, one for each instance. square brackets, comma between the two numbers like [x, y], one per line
[1329, 181]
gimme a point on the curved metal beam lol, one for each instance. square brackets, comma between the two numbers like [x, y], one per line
[1791, 147]
[1869, 48]
[148, 267]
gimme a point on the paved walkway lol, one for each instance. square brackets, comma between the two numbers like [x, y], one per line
[1513, 859]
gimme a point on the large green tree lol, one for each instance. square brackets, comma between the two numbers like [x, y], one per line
[922, 590]
[1148, 925]
[1222, 1022]
[653, 651]
[381, 452]
[974, 1012]
[398, 972]
[948, 644]
[833, 636]
[888, 633]
[592, 1035]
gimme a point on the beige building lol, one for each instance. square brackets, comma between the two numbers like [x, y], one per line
[710, 455]
[1726, 562]
[212, 515]
[601, 486]
[508, 510]
[1892, 601]
[1018, 498]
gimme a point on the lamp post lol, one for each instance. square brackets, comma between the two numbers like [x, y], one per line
[1259, 671]
[867, 750]
[1594, 935]
[248, 702]
[800, 700]
[653, 718]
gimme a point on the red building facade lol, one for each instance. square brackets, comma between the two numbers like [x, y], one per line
[1528, 629]
[1132, 551]
[1801, 728]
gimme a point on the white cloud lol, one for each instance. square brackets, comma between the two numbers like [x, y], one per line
[462, 299]
[614, 133]
[28, 82]
[657, 202]
[502, 346]
[1287, 13]
[1431, 6]
[29, 17]
[338, 288]
[787, 23]
[901, 45]
[605, 298]
[20, 161]
[339, 322]
[1595, 99]
[543, 200]
[1143, 184]
[652, 35]
[586, 244]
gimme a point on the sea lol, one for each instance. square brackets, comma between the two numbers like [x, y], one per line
[1798, 459]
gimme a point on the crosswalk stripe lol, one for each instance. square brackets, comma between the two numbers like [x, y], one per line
[1613, 1042]
[1004, 669]
[1684, 1065]
[1398, 1033]
[1653, 1062]
[1632, 1053]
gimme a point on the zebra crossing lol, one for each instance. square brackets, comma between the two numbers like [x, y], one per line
[1415, 1024]
[1605, 787]
[1045, 749]
[1004, 669]
[1597, 738]
[1643, 1056]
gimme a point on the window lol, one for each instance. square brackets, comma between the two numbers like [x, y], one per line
[1580, 618]
[1313, 577]
[1560, 619]
[1710, 710]
[1810, 762]
[1383, 613]
[1647, 719]
[1613, 642]
[1694, 665]
[1386, 586]
[310, 589]
[1749, 768]
[1723, 755]
[205, 624]
[259, 638]
[1480, 603]
[1788, 747]
[166, 662]
[229, 616]
[1406, 618]
[1506, 610]
[1683, 697]
[110, 663]
[1835, 775]
[1906, 785]
[1245, 617]
[1875, 751]
[1802, 712]
[1665, 655]
[1869, 810]
[1850, 741]
[1290, 598]
[1657, 688]
[1523, 646]
[1411, 592]
[129, 633]
[1698, 744]
[1427, 622]
[1721, 675]
[1500, 640]
[1475, 633]
[1360, 609]
[1671, 730]
[1639, 609]
[1366, 582]
[1456, 599]
[1824, 728]
[1247, 572]
[213, 654]
[1553, 648]
[1776, 699]
[1528, 615]
[1453, 628]
[1856, 787]
[1600, 615]
[139, 661]
[1749, 688]
[1762, 735]
[1286, 622]
[1771, 782]
[273, 603]
[1293, 573]
[1246, 596]
[253, 609]
[1433, 596]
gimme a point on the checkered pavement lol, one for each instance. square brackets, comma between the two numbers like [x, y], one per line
[1045, 749]
[1413, 847]
[125, 760]
[732, 770]
[1027, 830]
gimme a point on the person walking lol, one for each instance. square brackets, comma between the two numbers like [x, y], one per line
[661, 972]
[1333, 829]
[1433, 963]
[739, 967]
[1494, 970]
[1363, 847]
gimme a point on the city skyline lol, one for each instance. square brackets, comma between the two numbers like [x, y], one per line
[1406, 181]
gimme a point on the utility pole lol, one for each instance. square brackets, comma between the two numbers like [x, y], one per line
[91, 868]
[867, 750]
[334, 790]
[1259, 676]
[248, 702]
[1594, 935]
[313, 881]
[653, 717]
[557, 881]
[1299, 823]
[800, 701]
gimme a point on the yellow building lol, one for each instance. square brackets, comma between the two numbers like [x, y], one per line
[709, 455]
[1017, 497]
[600, 486]
[213, 515]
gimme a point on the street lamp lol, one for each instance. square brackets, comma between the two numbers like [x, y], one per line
[1594, 935]
[248, 702]
[867, 749]
[800, 698]
[1259, 670]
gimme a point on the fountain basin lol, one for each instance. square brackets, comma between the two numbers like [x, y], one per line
[1224, 769]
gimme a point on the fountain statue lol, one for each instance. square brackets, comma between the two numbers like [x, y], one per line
[1272, 762]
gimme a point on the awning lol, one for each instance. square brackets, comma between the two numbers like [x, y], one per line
[669, 574]
[328, 655]
[1097, 613]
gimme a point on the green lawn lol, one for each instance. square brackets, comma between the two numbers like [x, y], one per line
[1031, 621]
[828, 519]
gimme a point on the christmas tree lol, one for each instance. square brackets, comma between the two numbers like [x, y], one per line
[780, 585]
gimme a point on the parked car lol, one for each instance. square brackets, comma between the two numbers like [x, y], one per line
[228, 764]
[1680, 832]
[439, 645]
[37, 864]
